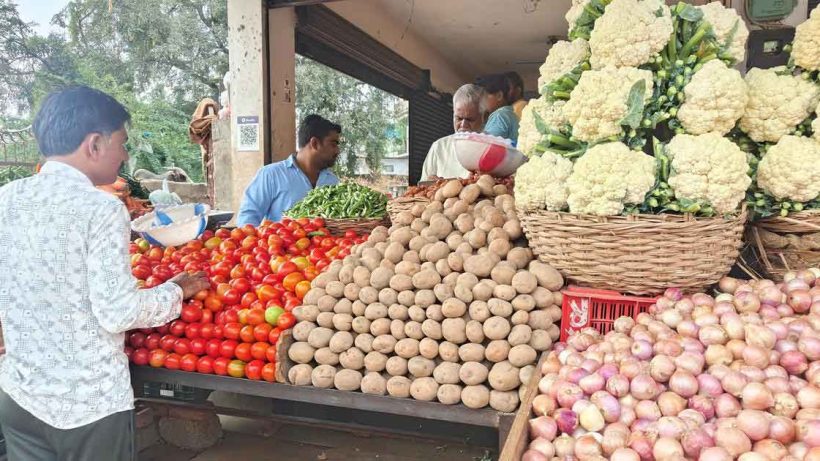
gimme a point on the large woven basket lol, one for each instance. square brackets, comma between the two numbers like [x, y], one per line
[781, 244]
[360, 225]
[638, 254]
[399, 204]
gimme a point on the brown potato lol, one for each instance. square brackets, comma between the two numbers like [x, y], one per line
[407, 268]
[432, 329]
[453, 307]
[522, 355]
[426, 279]
[374, 383]
[428, 348]
[454, 330]
[540, 320]
[412, 329]
[407, 348]
[300, 375]
[424, 389]
[397, 329]
[475, 332]
[546, 275]
[301, 352]
[504, 376]
[396, 366]
[470, 193]
[368, 295]
[504, 292]
[416, 313]
[475, 397]
[313, 295]
[479, 311]
[521, 257]
[497, 351]
[364, 341]
[399, 386]
[406, 298]
[420, 367]
[425, 298]
[388, 297]
[496, 328]
[448, 351]
[322, 376]
[520, 318]
[483, 290]
[477, 238]
[394, 252]
[347, 380]
[343, 322]
[319, 337]
[375, 361]
[542, 297]
[505, 402]
[449, 394]
[524, 282]
[433, 312]
[384, 344]
[500, 307]
[540, 340]
[375, 311]
[473, 373]
[306, 313]
[471, 352]
[446, 373]
[380, 327]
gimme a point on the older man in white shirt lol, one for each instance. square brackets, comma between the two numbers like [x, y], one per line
[66, 290]
[468, 116]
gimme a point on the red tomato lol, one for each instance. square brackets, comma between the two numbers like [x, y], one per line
[241, 285]
[129, 352]
[273, 336]
[248, 299]
[136, 339]
[207, 316]
[140, 356]
[157, 358]
[291, 304]
[269, 372]
[198, 346]
[141, 271]
[213, 348]
[270, 353]
[301, 289]
[152, 282]
[286, 321]
[243, 352]
[231, 316]
[172, 361]
[168, 342]
[222, 233]
[213, 303]
[193, 330]
[262, 331]
[218, 332]
[253, 370]
[182, 346]
[227, 349]
[246, 334]
[151, 341]
[207, 330]
[205, 365]
[188, 362]
[266, 292]
[256, 316]
[350, 234]
[290, 280]
[231, 330]
[154, 254]
[236, 369]
[286, 268]
[163, 329]
[221, 366]
[258, 350]
[178, 328]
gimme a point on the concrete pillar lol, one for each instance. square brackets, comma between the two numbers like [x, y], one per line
[248, 62]
[282, 94]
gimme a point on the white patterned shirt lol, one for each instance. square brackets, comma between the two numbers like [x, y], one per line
[67, 296]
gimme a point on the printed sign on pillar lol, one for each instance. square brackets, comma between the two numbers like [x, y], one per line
[247, 135]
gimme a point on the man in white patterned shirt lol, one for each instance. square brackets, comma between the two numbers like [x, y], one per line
[66, 290]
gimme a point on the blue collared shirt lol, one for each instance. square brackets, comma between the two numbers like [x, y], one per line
[504, 123]
[275, 189]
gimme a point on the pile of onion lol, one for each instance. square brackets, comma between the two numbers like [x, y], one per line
[735, 376]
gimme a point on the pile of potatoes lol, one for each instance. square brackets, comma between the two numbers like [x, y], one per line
[447, 305]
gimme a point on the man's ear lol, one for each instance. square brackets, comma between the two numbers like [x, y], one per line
[315, 143]
[92, 145]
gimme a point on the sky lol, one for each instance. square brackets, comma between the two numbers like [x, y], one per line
[41, 12]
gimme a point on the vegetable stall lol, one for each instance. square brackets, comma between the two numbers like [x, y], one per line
[586, 296]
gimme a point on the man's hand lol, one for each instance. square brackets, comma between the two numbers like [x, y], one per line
[191, 284]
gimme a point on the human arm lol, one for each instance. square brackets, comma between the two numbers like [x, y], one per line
[257, 198]
[116, 300]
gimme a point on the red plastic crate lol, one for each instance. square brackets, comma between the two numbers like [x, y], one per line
[587, 307]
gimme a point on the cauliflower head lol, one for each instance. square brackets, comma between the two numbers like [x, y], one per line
[575, 11]
[541, 183]
[716, 98]
[710, 168]
[630, 33]
[562, 59]
[729, 28]
[607, 177]
[528, 134]
[777, 104]
[790, 170]
[599, 103]
[806, 45]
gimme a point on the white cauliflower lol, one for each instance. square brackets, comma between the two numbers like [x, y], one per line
[562, 59]
[598, 103]
[716, 98]
[528, 134]
[806, 45]
[541, 183]
[575, 11]
[777, 104]
[607, 177]
[708, 168]
[790, 170]
[630, 33]
[728, 27]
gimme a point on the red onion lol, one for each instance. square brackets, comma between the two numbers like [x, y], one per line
[799, 300]
[809, 397]
[734, 382]
[667, 448]
[785, 404]
[704, 319]
[670, 403]
[810, 347]
[533, 455]
[547, 384]
[715, 454]
[671, 317]
[757, 396]
[642, 349]
[752, 373]
[702, 299]
[543, 426]
[683, 383]
[784, 310]
[769, 313]
[618, 385]
[796, 384]
[733, 440]
[776, 371]
[591, 383]
[718, 354]
[675, 294]
[798, 450]
[782, 429]
[754, 423]
[688, 328]
[608, 370]
[575, 374]
[608, 405]
[590, 365]
[643, 387]
[625, 454]
[771, 449]
[623, 324]
[771, 296]
[779, 329]
[694, 441]
[668, 347]
[752, 456]
[587, 447]
[692, 345]
[661, 368]
[726, 406]
[647, 410]
[566, 420]
[631, 368]
[794, 362]
[564, 446]
[777, 386]
[747, 302]
[721, 308]
[756, 356]
[728, 285]
[807, 275]
[639, 442]
[712, 334]
[543, 405]
[568, 394]
[796, 284]
[543, 446]
[690, 362]
[670, 426]
[808, 432]
[580, 341]
[760, 336]
[628, 416]
[709, 385]
[702, 405]
[784, 345]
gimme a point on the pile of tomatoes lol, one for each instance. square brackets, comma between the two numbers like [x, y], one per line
[258, 275]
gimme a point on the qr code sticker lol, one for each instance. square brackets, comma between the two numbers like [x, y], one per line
[248, 137]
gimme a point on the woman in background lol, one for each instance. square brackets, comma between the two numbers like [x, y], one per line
[502, 120]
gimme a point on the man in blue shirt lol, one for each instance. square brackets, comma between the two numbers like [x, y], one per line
[503, 121]
[278, 186]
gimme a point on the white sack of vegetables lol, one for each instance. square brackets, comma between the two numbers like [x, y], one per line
[442, 307]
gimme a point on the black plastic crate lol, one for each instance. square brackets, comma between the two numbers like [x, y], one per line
[175, 392]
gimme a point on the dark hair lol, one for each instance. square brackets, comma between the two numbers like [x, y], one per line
[515, 80]
[315, 126]
[494, 83]
[67, 116]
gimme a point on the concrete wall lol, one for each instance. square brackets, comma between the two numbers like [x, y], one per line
[369, 16]
[281, 24]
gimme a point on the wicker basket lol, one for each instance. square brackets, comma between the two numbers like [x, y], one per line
[397, 205]
[781, 244]
[360, 225]
[638, 254]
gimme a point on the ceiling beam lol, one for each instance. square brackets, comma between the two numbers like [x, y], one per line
[289, 3]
